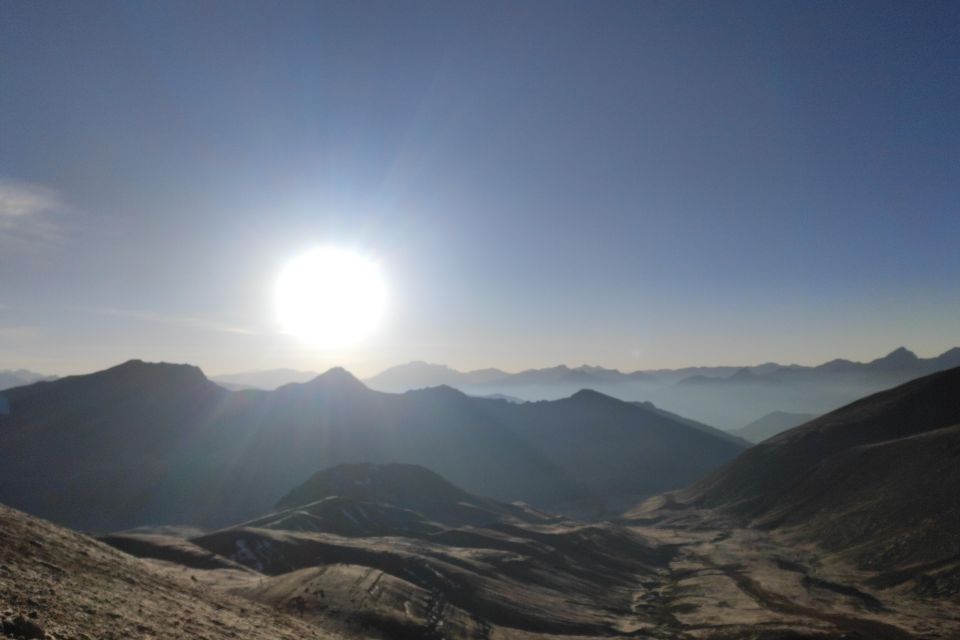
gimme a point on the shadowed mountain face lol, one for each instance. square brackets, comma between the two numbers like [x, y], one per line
[876, 480]
[409, 486]
[156, 443]
[108, 436]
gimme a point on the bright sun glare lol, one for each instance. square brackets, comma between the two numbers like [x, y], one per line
[330, 297]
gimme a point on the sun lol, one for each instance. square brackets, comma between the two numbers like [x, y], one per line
[330, 297]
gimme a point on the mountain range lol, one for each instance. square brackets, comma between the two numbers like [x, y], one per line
[725, 397]
[145, 443]
[842, 527]
[420, 374]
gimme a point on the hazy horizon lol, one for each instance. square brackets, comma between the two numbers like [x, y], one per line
[364, 374]
[689, 193]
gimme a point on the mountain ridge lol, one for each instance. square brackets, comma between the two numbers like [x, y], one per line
[874, 480]
[154, 444]
[725, 396]
[899, 357]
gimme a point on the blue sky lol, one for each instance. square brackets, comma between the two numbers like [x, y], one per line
[631, 184]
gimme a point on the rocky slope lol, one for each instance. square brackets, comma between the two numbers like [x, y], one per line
[384, 569]
[61, 585]
[874, 481]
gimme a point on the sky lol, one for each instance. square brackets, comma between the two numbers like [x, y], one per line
[627, 184]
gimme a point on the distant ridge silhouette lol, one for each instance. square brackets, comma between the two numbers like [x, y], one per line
[145, 443]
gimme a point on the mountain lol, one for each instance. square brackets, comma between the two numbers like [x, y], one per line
[418, 557]
[406, 486]
[726, 396]
[10, 378]
[145, 444]
[419, 375]
[416, 375]
[396, 551]
[730, 437]
[110, 436]
[55, 583]
[351, 493]
[875, 481]
[742, 376]
[771, 424]
[611, 447]
[270, 379]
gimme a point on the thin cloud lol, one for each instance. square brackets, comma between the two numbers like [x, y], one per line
[27, 212]
[19, 334]
[22, 200]
[183, 321]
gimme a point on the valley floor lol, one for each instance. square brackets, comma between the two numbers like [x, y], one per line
[698, 579]
[744, 583]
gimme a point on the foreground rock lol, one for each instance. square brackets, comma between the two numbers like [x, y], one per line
[61, 585]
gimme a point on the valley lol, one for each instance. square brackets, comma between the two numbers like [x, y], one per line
[432, 320]
[657, 574]
[843, 527]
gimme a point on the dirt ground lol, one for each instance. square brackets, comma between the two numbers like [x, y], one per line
[700, 579]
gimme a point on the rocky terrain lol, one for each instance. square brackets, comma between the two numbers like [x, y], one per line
[692, 577]
[62, 585]
[843, 527]
[371, 565]
[875, 480]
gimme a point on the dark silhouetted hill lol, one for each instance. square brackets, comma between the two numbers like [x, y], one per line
[143, 444]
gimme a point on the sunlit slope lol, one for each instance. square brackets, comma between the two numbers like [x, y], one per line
[77, 587]
[876, 479]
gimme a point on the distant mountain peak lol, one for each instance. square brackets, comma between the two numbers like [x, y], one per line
[440, 390]
[902, 352]
[401, 484]
[589, 395]
[137, 369]
[899, 357]
[337, 378]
